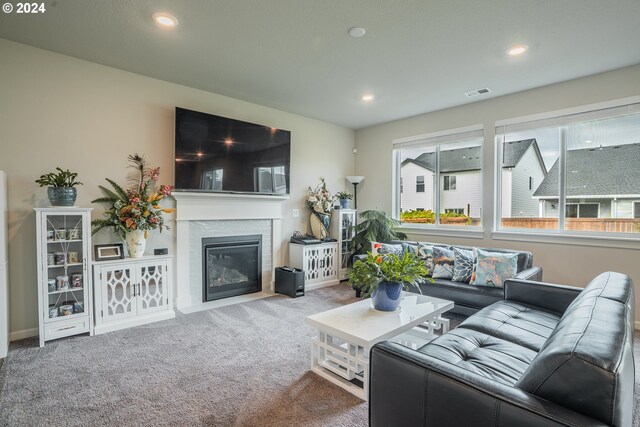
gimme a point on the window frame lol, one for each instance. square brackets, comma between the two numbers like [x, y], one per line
[437, 139]
[447, 181]
[564, 117]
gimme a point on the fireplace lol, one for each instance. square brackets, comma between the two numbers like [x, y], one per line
[231, 266]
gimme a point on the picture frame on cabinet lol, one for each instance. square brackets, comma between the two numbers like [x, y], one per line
[108, 252]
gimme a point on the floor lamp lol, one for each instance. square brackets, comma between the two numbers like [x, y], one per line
[355, 180]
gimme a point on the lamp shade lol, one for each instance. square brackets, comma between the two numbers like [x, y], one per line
[355, 179]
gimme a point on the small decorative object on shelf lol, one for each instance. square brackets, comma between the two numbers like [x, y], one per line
[61, 191]
[320, 202]
[63, 280]
[384, 277]
[108, 252]
[133, 212]
[344, 198]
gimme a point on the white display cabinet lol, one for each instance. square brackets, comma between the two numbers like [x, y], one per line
[342, 221]
[131, 292]
[64, 283]
[318, 261]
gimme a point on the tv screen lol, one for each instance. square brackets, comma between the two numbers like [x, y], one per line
[219, 154]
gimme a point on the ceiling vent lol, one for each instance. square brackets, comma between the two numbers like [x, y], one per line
[477, 92]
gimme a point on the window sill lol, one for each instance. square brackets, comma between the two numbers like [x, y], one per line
[462, 231]
[615, 241]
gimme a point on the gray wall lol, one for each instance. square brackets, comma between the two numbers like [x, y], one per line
[562, 262]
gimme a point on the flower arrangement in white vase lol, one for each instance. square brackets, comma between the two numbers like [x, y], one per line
[135, 211]
[320, 201]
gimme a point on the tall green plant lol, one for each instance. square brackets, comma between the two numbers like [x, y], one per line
[375, 226]
[373, 269]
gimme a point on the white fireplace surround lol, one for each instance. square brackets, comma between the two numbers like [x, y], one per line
[195, 209]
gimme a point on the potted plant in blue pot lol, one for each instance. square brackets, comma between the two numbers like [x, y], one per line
[344, 198]
[385, 277]
[61, 191]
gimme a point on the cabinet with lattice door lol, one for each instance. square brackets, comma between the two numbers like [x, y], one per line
[131, 292]
[319, 262]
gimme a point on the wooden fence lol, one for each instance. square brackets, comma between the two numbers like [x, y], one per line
[607, 225]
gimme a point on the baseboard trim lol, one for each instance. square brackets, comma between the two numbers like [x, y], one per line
[25, 333]
[321, 285]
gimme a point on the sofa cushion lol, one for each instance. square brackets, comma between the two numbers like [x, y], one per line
[474, 351]
[442, 263]
[463, 265]
[587, 362]
[463, 294]
[515, 322]
[493, 268]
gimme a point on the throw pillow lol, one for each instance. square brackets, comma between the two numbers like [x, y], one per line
[409, 248]
[442, 263]
[464, 261]
[494, 268]
[386, 249]
[425, 253]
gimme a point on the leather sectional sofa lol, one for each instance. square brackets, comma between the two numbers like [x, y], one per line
[545, 355]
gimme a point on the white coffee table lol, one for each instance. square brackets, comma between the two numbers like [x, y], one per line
[340, 352]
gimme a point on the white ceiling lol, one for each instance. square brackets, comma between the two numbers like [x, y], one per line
[295, 55]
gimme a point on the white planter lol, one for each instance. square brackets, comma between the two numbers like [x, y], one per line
[136, 243]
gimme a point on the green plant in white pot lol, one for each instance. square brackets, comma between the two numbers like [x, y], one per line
[384, 277]
[61, 191]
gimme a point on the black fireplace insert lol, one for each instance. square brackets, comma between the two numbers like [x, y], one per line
[231, 266]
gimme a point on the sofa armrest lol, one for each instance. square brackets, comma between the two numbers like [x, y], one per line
[547, 296]
[533, 273]
[411, 388]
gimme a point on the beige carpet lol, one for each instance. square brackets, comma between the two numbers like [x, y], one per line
[242, 365]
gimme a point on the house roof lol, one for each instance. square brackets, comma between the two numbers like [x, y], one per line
[470, 158]
[612, 170]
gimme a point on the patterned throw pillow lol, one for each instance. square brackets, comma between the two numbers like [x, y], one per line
[494, 268]
[442, 263]
[464, 262]
[425, 253]
[386, 249]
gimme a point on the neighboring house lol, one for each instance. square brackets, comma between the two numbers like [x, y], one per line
[602, 182]
[460, 180]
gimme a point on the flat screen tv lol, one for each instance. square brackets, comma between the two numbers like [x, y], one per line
[218, 154]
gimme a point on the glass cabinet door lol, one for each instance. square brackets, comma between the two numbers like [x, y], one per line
[66, 287]
[152, 294]
[118, 292]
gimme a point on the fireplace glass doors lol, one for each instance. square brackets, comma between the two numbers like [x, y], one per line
[231, 266]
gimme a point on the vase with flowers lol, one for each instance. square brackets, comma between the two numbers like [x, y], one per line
[133, 211]
[320, 201]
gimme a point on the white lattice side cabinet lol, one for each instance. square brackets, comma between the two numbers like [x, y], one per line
[132, 291]
[318, 261]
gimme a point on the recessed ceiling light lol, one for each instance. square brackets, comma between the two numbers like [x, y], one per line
[588, 141]
[356, 32]
[367, 98]
[165, 20]
[518, 50]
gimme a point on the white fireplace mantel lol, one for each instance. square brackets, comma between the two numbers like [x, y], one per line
[220, 207]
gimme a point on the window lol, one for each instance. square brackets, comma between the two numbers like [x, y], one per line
[212, 179]
[439, 163]
[636, 209]
[570, 173]
[449, 182]
[582, 210]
